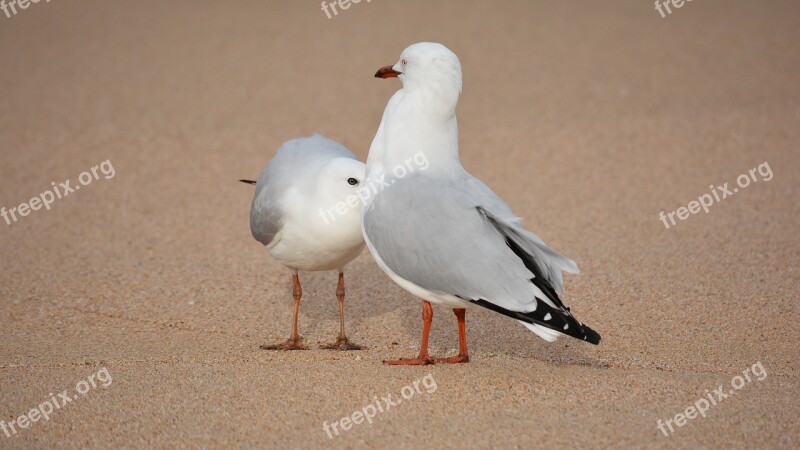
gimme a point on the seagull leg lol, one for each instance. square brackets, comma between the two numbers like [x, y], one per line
[341, 343]
[423, 358]
[295, 342]
[463, 356]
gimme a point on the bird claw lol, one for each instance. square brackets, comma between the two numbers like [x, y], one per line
[291, 344]
[418, 361]
[453, 359]
[342, 344]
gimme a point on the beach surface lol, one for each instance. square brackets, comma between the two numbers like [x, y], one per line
[589, 118]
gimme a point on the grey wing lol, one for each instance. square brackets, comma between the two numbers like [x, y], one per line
[549, 262]
[442, 236]
[266, 211]
[429, 232]
[295, 162]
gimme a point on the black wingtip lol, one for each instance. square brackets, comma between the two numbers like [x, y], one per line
[591, 336]
[557, 318]
[248, 181]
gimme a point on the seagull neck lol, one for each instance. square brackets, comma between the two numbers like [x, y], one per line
[421, 128]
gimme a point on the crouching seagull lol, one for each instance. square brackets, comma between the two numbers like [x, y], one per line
[297, 214]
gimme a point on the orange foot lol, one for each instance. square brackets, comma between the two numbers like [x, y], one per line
[418, 361]
[291, 344]
[453, 359]
[342, 344]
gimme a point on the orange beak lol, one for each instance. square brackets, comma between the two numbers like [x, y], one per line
[387, 72]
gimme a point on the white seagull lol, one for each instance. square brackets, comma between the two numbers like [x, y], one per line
[442, 234]
[307, 214]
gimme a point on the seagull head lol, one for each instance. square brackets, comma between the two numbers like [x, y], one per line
[428, 66]
[339, 178]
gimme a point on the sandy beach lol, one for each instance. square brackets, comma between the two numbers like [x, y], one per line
[143, 298]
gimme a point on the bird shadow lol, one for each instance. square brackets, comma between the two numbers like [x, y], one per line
[491, 334]
[381, 315]
[319, 308]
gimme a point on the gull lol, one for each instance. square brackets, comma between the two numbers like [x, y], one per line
[443, 235]
[293, 215]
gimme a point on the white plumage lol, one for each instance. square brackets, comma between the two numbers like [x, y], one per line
[442, 234]
[294, 214]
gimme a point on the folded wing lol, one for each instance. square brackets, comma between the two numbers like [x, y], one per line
[459, 238]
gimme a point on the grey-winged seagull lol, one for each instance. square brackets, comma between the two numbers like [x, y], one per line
[442, 234]
[297, 214]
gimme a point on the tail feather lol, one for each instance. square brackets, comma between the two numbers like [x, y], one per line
[550, 318]
[544, 262]
[544, 333]
[547, 322]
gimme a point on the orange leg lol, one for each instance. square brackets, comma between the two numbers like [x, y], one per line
[295, 342]
[423, 358]
[341, 343]
[463, 356]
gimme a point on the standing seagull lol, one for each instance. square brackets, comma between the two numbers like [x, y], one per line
[293, 216]
[442, 234]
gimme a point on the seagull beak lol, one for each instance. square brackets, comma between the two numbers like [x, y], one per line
[387, 72]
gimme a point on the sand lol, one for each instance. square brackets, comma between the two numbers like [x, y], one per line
[588, 118]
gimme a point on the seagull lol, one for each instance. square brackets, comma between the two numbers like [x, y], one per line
[306, 213]
[443, 235]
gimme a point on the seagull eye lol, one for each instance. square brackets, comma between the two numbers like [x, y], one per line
[405, 62]
[352, 181]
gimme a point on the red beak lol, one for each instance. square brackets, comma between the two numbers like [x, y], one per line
[387, 72]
